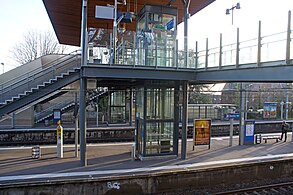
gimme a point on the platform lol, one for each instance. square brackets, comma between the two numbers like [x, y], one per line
[114, 159]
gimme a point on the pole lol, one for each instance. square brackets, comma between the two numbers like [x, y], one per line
[97, 119]
[83, 159]
[287, 102]
[130, 107]
[288, 39]
[186, 16]
[221, 51]
[76, 127]
[59, 140]
[292, 133]
[185, 84]
[237, 49]
[259, 44]
[114, 32]
[12, 121]
[232, 14]
[282, 110]
[184, 121]
[242, 107]
[76, 137]
[231, 132]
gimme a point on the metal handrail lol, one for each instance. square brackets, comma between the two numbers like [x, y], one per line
[29, 78]
[53, 69]
[39, 68]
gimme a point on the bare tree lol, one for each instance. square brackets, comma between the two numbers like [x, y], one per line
[34, 45]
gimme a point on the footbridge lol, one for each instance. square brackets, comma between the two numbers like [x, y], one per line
[241, 63]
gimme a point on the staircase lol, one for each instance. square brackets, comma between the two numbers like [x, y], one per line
[30, 86]
[67, 105]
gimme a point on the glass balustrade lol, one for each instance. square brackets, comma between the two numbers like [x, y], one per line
[154, 45]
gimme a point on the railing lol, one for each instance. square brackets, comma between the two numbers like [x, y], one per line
[49, 111]
[266, 48]
[65, 103]
[31, 79]
[273, 47]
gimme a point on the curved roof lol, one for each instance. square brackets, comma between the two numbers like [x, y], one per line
[65, 15]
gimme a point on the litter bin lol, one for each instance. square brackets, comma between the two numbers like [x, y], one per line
[36, 152]
[258, 138]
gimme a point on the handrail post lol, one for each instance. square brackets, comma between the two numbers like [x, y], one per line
[220, 52]
[196, 55]
[207, 54]
[288, 39]
[176, 53]
[134, 48]
[237, 49]
[259, 44]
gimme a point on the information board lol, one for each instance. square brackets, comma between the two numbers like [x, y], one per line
[249, 132]
[201, 132]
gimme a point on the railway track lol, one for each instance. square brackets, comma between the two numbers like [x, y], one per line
[281, 188]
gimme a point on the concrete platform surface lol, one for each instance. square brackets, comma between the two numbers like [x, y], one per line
[114, 159]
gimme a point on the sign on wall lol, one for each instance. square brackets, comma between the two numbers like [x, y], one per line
[270, 110]
[201, 132]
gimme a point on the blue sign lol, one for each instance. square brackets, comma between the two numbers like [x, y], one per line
[249, 132]
[170, 24]
[232, 115]
[56, 115]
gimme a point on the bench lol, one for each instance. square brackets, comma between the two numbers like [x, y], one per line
[265, 138]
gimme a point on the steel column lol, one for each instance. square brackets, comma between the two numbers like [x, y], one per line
[82, 115]
[221, 51]
[287, 102]
[196, 55]
[12, 120]
[288, 39]
[237, 49]
[76, 126]
[130, 107]
[176, 54]
[184, 120]
[259, 44]
[207, 54]
[186, 16]
[242, 107]
[176, 117]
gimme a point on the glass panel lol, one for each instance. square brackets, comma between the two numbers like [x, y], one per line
[156, 39]
[117, 114]
[139, 102]
[159, 138]
[118, 98]
[140, 55]
[160, 104]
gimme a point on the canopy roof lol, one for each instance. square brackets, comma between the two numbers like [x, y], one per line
[65, 15]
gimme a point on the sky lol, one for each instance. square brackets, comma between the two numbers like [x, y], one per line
[18, 16]
[212, 20]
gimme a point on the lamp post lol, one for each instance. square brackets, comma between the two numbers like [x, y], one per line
[237, 6]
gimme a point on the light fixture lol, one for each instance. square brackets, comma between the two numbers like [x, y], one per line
[237, 6]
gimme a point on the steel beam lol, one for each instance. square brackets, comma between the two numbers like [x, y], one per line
[120, 72]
